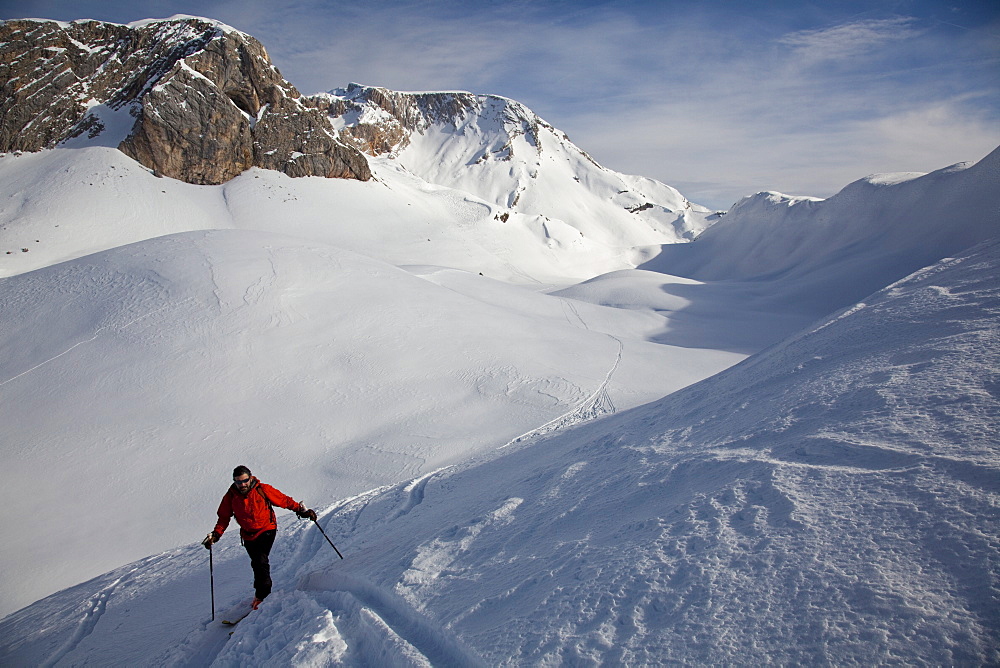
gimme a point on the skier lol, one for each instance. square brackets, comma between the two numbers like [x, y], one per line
[251, 502]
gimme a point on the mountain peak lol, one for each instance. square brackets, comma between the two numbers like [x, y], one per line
[501, 151]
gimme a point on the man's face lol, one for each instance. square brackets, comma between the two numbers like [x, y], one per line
[242, 483]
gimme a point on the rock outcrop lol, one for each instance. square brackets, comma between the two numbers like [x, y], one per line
[207, 101]
[379, 121]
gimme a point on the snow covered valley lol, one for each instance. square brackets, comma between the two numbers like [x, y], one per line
[530, 451]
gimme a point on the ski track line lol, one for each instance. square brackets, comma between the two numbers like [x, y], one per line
[86, 626]
[415, 493]
[99, 331]
[438, 646]
[357, 516]
[366, 497]
[314, 544]
[598, 403]
[199, 650]
[568, 304]
[311, 542]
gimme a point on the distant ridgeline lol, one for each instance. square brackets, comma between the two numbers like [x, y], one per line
[204, 101]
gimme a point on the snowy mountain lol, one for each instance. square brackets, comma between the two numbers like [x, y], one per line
[473, 177]
[540, 430]
[500, 151]
[64, 204]
[201, 102]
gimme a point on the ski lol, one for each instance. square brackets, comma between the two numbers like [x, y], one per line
[236, 621]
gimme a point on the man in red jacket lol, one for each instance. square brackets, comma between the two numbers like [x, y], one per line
[251, 502]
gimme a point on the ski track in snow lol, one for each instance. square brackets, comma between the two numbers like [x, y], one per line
[597, 404]
[97, 603]
[344, 594]
[415, 493]
[96, 335]
[567, 304]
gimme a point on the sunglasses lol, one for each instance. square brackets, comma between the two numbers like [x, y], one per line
[244, 481]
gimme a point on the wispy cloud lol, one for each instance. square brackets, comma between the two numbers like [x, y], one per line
[807, 112]
[849, 40]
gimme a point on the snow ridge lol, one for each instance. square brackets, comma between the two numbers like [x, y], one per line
[831, 253]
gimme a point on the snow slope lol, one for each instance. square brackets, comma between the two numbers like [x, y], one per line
[501, 151]
[181, 356]
[831, 500]
[507, 155]
[774, 263]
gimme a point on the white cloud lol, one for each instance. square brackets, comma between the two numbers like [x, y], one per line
[848, 40]
[746, 141]
[929, 137]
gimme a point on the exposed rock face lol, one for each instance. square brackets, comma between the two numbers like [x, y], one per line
[208, 102]
[184, 132]
[312, 150]
[373, 133]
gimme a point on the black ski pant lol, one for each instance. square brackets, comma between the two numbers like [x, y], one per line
[259, 550]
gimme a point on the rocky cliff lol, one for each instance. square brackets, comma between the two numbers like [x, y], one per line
[206, 100]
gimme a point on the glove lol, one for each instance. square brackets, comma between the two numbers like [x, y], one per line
[307, 514]
[209, 539]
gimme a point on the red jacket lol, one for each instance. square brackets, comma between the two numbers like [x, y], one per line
[252, 511]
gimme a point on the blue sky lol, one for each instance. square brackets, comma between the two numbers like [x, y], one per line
[719, 99]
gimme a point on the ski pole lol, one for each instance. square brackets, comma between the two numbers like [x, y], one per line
[328, 539]
[211, 576]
